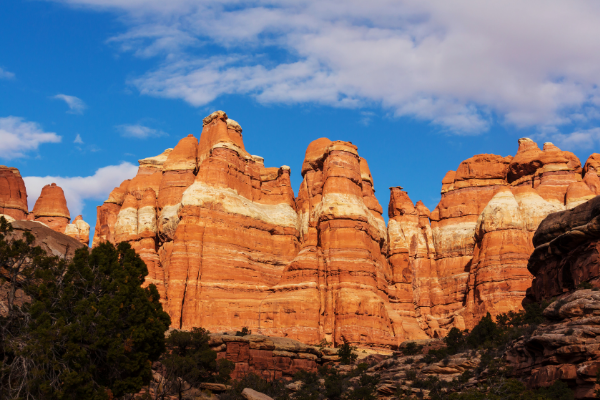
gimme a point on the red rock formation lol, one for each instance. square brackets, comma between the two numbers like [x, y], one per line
[567, 251]
[79, 230]
[482, 231]
[592, 163]
[51, 208]
[269, 357]
[215, 230]
[498, 277]
[337, 286]
[13, 195]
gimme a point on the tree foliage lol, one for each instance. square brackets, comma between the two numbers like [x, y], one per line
[90, 331]
[190, 361]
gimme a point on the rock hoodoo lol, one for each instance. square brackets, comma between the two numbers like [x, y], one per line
[13, 195]
[228, 245]
[50, 209]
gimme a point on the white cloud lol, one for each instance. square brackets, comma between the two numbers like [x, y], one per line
[582, 139]
[76, 105]
[4, 74]
[460, 64]
[138, 131]
[78, 139]
[17, 137]
[80, 188]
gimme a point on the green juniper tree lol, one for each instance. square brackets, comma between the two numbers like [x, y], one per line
[90, 330]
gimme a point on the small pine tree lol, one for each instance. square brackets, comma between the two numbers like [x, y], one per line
[190, 361]
[347, 354]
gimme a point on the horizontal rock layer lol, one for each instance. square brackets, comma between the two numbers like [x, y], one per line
[228, 245]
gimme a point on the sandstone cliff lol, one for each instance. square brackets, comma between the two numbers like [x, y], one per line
[482, 232]
[228, 245]
[215, 227]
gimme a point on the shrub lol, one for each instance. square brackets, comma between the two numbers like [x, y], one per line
[585, 285]
[191, 360]
[411, 375]
[244, 332]
[347, 354]
[91, 331]
[411, 348]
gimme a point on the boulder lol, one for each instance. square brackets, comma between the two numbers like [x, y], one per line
[251, 394]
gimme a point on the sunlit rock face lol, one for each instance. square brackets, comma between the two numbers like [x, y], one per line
[13, 195]
[50, 209]
[228, 245]
[214, 226]
[482, 232]
[338, 286]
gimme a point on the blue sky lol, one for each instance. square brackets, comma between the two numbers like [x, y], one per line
[90, 86]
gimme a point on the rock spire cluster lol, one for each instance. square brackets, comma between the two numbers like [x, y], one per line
[228, 245]
[50, 209]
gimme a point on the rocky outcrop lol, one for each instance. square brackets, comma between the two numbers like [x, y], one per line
[51, 242]
[51, 208]
[567, 251]
[13, 195]
[79, 230]
[564, 348]
[337, 287]
[228, 245]
[269, 357]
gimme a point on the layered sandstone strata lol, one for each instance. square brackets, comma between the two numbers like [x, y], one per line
[567, 251]
[269, 357]
[13, 195]
[51, 208]
[565, 348]
[215, 227]
[482, 233]
[337, 287]
[79, 229]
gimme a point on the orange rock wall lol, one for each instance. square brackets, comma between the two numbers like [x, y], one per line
[482, 232]
[228, 245]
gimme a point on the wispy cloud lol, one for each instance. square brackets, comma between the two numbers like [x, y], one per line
[581, 139]
[78, 139]
[4, 74]
[139, 131]
[76, 105]
[463, 65]
[80, 188]
[18, 137]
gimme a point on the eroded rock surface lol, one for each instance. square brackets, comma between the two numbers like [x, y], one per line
[481, 233]
[565, 348]
[13, 195]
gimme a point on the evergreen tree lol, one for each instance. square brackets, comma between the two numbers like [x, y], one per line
[91, 330]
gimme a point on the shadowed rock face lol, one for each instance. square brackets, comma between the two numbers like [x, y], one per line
[564, 348]
[52, 243]
[567, 251]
